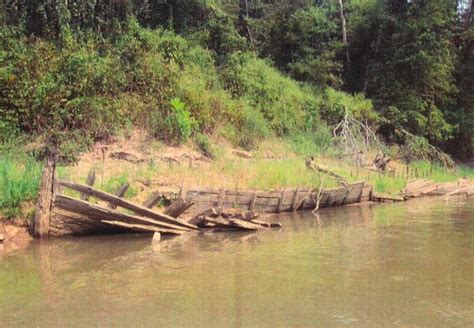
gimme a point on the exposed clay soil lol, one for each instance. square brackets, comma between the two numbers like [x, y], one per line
[15, 237]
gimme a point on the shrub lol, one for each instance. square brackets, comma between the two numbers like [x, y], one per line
[283, 102]
[334, 104]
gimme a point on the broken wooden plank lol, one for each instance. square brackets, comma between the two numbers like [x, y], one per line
[143, 228]
[120, 193]
[207, 222]
[267, 224]
[153, 200]
[178, 207]
[125, 204]
[90, 180]
[280, 201]
[245, 225]
[253, 201]
[45, 200]
[96, 212]
[294, 200]
[384, 197]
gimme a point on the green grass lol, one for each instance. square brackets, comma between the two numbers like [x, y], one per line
[19, 182]
[114, 183]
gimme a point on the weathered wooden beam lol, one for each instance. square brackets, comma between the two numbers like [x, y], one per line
[302, 203]
[294, 200]
[143, 228]
[90, 182]
[245, 225]
[153, 199]
[120, 193]
[280, 201]
[45, 200]
[267, 224]
[253, 201]
[125, 204]
[385, 197]
[178, 207]
[97, 212]
[221, 198]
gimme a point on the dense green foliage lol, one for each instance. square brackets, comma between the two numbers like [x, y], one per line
[72, 72]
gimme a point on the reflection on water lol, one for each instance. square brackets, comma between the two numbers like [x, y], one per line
[409, 264]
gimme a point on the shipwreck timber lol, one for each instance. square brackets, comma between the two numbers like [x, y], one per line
[280, 201]
[94, 211]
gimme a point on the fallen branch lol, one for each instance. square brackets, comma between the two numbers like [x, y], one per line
[318, 198]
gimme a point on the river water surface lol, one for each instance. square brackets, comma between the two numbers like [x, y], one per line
[408, 264]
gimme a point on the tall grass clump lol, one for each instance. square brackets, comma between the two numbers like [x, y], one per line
[19, 182]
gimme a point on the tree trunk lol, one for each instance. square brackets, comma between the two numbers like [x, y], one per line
[344, 31]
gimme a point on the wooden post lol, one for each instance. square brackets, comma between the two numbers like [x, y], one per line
[152, 200]
[221, 198]
[120, 193]
[359, 198]
[45, 200]
[90, 182]
[280, 201]
[345, 196]
[294, 200]
[253, 201]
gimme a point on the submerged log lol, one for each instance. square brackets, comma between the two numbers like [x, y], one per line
[96, 212]
[143, 228]
[125, 204]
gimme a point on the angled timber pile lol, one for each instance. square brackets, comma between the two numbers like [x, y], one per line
[59, 215]
[218, 219]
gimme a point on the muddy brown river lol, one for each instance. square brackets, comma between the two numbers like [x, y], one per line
[408, 264]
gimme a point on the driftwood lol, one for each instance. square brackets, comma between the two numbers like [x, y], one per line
[381, 162]
[423, 187]
[310, 164]
[125, 204]
[231, 219]
[143, 228]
